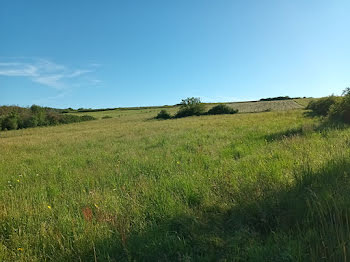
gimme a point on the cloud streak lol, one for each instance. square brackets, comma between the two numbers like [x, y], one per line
[45, 72]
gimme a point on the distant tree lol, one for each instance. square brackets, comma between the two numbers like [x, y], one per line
[191, 106]
[346, 91]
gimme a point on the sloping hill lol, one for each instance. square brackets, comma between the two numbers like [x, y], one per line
[261, 106]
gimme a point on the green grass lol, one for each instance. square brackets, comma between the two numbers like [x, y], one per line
[270, 186]
[304, 101]
[243, 107]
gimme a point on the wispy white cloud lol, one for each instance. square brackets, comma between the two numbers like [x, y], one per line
[45, 72]
[17, 69]
[78, 73]
[50, 80]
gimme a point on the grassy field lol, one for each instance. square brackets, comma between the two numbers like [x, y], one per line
[271, 186]
[304, 101]
[243, 107]
[261, 106]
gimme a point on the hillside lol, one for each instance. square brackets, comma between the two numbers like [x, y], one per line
[243, 107]
[268, 186]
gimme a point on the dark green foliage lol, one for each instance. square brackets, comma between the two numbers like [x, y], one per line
[14, 117]
[52, 118]
[31, 121]
[163, 114]
[277, 98]
[10, 122]
[87, 118]
[222, 109]
[321, 106]
[106, 117]
[93, 110]
[36, 109]
[66, 119]
[191, 106]
[341, 110]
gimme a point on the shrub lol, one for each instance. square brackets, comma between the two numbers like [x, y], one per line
[277, 98]
[321, 106]
[87, 118]
[163, 114]
[341, 110]
[31, 121]
[66, 119]
[191, 106]
[222, 109]
[52, 118]
[10, 122]
[106, 117]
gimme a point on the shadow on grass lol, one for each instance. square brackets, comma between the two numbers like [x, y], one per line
[306, 129]
[304, 222]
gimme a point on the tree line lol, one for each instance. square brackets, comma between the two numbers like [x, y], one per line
[15, 117]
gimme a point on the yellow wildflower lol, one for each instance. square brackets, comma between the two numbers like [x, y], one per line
[18, 180]
[49, 207]
[20, 249]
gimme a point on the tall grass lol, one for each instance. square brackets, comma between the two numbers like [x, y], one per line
[240, 187]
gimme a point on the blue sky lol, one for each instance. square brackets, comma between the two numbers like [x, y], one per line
[133, 53]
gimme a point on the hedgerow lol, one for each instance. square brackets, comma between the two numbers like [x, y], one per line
[14, 117]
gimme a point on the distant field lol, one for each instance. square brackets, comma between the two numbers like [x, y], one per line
[269, 186]
[260, 106]
[304, 101]
[243, 107]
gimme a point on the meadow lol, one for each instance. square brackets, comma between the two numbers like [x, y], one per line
[268, 186]
[261, 106]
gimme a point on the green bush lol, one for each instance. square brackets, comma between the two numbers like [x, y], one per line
[322, 106]
[52, 118]
[340, 111]
[222, 109]
[106, 117]
[66, 119]
[191, 106]
[32, 121]
[163, 114]
[87, 118]
[10, 122]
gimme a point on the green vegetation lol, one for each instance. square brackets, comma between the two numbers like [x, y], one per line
[194, 107]
[341, 109]
[191, 106]
[269, 186]
[336, 109]
[14, 117]
[321, 106]
[221, 109]
[163, 114]
[304, 102]
[276, 98]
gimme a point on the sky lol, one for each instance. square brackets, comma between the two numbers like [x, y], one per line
[118, 53]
